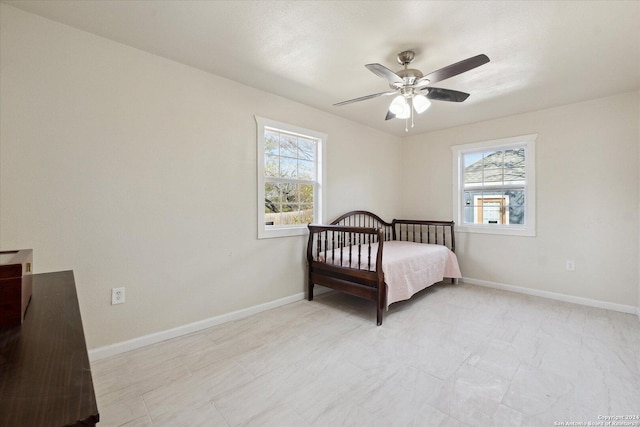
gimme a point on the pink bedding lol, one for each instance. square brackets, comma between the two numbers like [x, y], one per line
[408, 267]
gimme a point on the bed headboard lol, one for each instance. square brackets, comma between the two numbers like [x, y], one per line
[366, 219]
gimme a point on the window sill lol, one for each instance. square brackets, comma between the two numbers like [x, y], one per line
[282, 232]
[500, 230]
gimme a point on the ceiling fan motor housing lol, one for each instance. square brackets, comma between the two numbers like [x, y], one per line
[406, 57]
[409, 75]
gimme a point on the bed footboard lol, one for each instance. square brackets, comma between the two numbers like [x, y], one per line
[348, 259]
[420, 231]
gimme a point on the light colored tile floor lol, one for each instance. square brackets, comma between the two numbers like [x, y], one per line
[454, 355]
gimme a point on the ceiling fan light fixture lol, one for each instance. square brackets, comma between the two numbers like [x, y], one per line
[398, 105]
[421, 103]
[405, 113]
[400, 108]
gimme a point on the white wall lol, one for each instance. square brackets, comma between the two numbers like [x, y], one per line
[587, 165]
[137, 171]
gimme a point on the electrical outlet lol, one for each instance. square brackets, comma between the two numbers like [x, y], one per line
[571, 265]
[117, 296]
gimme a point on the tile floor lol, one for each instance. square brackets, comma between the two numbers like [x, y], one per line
[454, 355]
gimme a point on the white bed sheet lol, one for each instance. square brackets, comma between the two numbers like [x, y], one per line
[408, 267]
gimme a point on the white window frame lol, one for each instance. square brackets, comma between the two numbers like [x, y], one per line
[529, 227]
[265, 231]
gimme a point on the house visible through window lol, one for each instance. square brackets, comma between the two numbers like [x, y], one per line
[494, 186]
[289, 178]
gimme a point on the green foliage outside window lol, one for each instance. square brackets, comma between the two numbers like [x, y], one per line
[290, 163]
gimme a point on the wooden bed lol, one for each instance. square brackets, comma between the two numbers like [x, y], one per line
[347, 255]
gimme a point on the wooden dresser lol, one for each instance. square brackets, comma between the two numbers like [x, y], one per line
[45, 376]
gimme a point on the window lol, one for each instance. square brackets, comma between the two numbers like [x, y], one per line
[289, 178]
[494, 186]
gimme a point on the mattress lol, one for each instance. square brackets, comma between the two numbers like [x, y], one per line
[408, 267]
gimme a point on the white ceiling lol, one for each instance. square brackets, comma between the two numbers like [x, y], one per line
[542, 54]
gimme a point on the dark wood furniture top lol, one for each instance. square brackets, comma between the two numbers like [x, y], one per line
[45, 376]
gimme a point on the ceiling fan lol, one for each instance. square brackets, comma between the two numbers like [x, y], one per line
[413, 88]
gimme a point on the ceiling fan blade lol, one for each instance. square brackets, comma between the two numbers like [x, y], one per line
[454, 69]
[439, 94]
[390, 116]
[364, 98]
[385, 73]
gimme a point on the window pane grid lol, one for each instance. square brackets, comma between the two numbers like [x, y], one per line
[290, 174]
[494, 184]
[289, 156]
[286, 180]
[288, 203]
[290, 171]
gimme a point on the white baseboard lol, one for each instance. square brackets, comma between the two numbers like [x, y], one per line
[556, 296]
[124, 346]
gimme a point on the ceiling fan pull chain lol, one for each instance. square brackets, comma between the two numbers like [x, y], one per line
[412, 112]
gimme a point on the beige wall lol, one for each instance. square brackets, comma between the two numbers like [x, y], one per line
[137, 171]
[587, 199]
